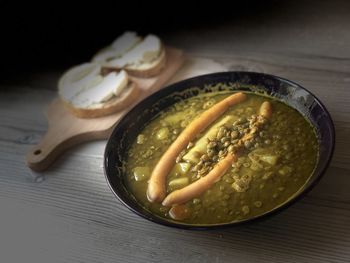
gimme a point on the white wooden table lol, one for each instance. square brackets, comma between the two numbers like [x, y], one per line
[68, 214]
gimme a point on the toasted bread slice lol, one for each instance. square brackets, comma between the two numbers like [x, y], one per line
[144, 57]
[144, 70]
[117, 103]
[88, 94]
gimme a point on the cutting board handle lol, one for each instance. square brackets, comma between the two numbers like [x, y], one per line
[54, 143]
[43, 154]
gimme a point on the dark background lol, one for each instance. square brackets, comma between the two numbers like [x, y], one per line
[56, 35]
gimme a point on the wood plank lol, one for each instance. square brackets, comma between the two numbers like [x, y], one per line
[79, 203]
[305, 29]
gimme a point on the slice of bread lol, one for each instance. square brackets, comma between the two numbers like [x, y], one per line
[128, 96]
[88, 94]
[145, 57]
[143, 70]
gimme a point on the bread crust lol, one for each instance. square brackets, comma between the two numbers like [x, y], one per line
[154, 70]
[126, 98]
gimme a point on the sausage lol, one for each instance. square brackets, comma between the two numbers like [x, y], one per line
[200, 186]
[156, 190]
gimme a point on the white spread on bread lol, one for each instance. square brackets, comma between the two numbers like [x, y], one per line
[84, 86]
[144, 52]
[126, 42]
[76, 78]
[118, 48]
[103, 90]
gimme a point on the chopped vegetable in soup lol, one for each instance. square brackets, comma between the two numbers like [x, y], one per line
[218, 158]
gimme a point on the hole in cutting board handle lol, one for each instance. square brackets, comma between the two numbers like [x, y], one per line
[37, 152]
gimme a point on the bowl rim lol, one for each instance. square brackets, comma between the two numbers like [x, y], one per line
[301, 193]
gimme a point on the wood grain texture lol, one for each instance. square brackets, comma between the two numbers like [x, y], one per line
[68, 214]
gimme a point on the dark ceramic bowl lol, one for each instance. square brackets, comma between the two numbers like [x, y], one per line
[132, 123]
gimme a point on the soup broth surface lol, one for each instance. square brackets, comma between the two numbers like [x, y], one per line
[270, 170]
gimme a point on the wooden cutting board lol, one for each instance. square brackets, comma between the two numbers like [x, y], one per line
[65, 130]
